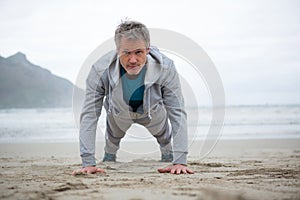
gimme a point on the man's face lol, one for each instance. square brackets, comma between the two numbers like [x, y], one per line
[133, 55]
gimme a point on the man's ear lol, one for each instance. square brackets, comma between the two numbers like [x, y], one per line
[148, 50]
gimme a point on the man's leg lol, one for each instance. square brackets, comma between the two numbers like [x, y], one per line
[164, 140]
[161, 130]
[115, 131]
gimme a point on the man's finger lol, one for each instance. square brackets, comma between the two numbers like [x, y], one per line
[190, 171]
[178, 171]
[163, 170]
[77, 172]
[84, 170]
[184, 171]
[173, 170]
[100, 171]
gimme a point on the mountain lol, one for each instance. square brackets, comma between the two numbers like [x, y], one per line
[25, 85]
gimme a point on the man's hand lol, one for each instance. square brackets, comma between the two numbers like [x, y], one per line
[176, 169]
[88, 170]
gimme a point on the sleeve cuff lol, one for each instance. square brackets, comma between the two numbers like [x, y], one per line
[88, 161]
[180, 158]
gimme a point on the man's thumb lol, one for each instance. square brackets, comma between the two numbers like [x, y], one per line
[163, 170]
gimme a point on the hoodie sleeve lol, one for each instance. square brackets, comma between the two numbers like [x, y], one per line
[91, 111]
[174, 103]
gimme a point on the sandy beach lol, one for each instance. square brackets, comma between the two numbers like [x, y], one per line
[235, 169]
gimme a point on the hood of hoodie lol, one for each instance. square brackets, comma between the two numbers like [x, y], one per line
[154, 66]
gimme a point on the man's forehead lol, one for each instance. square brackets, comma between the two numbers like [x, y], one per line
[135, 49]
[132, 45]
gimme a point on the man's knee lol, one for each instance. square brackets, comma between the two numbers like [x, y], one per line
[164, 136]
[115, 140]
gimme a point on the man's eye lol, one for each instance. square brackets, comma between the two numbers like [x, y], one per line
[139, 52]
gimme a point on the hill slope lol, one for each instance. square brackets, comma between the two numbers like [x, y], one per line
[25, 85]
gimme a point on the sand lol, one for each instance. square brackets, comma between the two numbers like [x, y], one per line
[235, 169]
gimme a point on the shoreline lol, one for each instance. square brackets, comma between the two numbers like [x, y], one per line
[132, 150]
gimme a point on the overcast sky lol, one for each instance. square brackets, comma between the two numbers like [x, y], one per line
[254, 44]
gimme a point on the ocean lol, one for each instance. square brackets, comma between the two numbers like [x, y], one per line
[241, 122]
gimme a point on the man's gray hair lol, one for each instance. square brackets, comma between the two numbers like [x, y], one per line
[132, 30]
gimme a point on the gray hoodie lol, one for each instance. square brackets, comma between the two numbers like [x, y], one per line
[162, 88]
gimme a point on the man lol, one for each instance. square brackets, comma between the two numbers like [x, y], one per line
[140, 85]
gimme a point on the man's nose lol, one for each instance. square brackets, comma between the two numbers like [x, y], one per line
[132, 59]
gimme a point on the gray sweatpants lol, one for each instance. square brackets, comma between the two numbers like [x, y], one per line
[157, 125]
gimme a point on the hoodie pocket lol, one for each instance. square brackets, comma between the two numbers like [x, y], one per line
[158, 118]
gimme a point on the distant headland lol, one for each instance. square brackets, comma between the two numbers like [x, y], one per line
[26, 85]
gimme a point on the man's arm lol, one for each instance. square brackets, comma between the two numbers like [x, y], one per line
[174, 103]
[91, 111]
